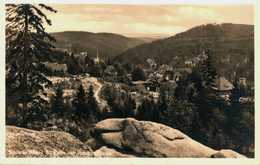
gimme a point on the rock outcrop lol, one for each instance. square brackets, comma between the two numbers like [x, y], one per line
[227, 154]
[112, 138]
[21, 142]
[110, 152]
[149, 139]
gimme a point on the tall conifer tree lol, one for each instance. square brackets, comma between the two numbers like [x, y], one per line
[80, 102]
[57, 103]
[27, 44]
[92, 105]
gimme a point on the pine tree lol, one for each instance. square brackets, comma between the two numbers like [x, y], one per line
[180, 115]
[57, 103]
[180, 91]
[130, 106]
[155, 111]
[92, 105]
[147, 110]
[235, 94]
[73, 65]
[27, 44]
[138, 74]
[162, 104]
[118, 108]
[124, 106]
[235, 108]
[80, 102]
[240, 124]
[207, 95]
[142, 113]
[210, 106]
[154, 81]
[121, 74]
[208, 71]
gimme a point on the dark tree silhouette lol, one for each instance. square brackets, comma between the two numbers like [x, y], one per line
[57, 102]
[123, 106]
[148, 110]
[80, 102]
[73, 65]
[121, 74]
[208, 71]
[130, 106]
[180, 115]
[27, 44]
[138, 74]
[92, 105]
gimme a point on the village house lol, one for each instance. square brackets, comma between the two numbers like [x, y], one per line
[61, 50]
[189, 64]
[242, 81]
[56, 67]
[223, 87]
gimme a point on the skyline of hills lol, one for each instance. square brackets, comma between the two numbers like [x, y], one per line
[232, 47]
[107, 44]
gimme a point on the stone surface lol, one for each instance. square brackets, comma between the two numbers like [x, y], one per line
[21, 142]
[110, 125]
[149, 139]
[110, 152]
[112, 138]
[227, 154]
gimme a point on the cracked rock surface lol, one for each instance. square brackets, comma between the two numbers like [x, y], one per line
[148, 139]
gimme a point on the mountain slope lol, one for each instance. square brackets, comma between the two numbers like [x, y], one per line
[108, 44]
[232, 46]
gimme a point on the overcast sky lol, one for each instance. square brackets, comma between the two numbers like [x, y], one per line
[144, 20]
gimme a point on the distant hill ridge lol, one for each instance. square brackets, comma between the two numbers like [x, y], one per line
[108, 44]
[232, 46]
[226, 30]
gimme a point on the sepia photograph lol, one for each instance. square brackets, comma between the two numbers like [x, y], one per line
[127, 81]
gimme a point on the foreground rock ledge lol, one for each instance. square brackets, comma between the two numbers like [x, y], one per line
[113, 138]
[21, 142]
[149, 139]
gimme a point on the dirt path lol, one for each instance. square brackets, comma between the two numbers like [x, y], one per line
[86, 81]
[99, 86]
[97, 89]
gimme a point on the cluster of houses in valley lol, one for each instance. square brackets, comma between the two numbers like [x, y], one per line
[167, 77]
[62, 68]
[164, 76]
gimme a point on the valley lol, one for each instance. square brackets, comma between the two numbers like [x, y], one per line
[85, 94]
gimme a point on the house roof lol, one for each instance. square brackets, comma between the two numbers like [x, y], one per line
[139, 82]
[223, 84]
